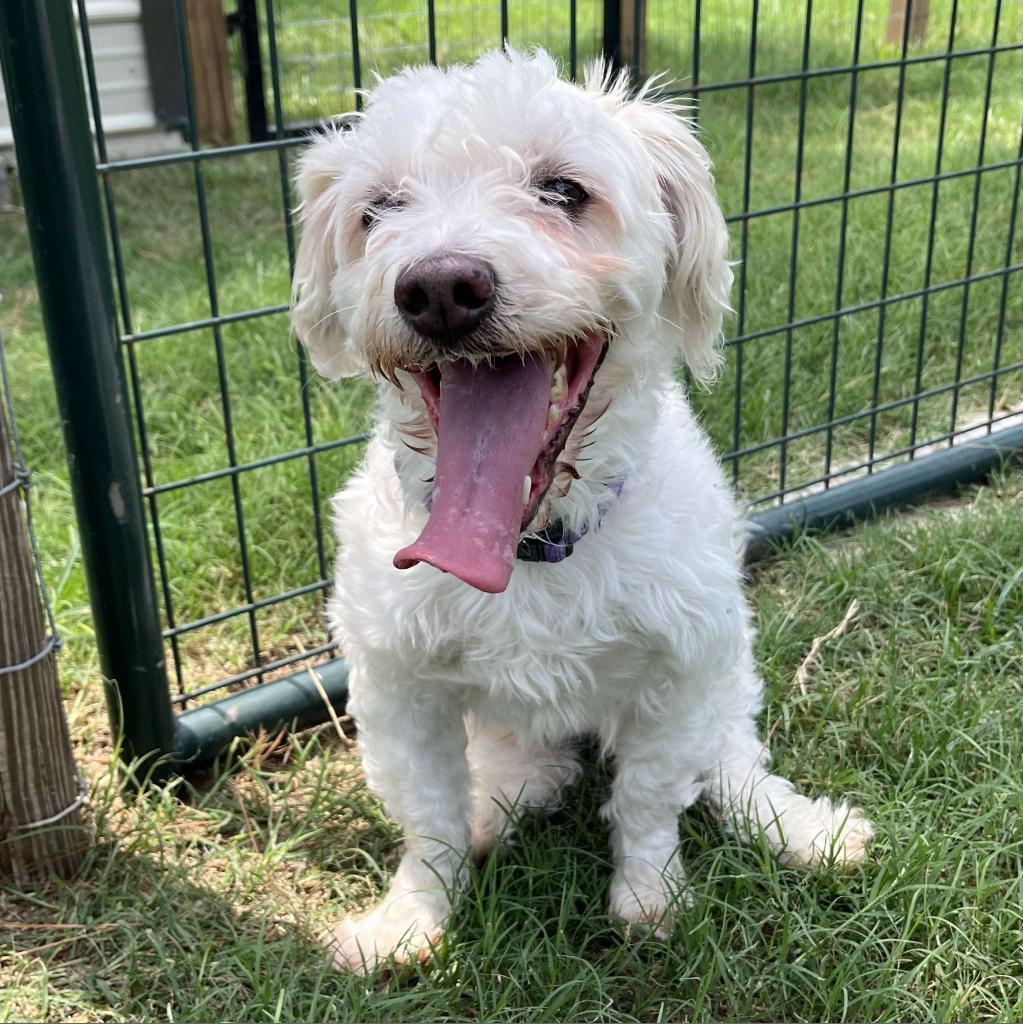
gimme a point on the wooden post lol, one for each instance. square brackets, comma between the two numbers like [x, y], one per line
[211, 70]
[918, 15]
[632, 53]
[38, 780]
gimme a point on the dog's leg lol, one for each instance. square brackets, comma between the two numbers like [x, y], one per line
[413, 751]
[511, 776]
[799, 830]
[656, 778]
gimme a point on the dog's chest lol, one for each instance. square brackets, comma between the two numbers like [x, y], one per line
[543, 665]
[549, 696]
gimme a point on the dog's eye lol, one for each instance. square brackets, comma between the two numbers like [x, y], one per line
[562, 192]
[380, 205]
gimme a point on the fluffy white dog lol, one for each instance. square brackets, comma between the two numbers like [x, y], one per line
[540, 543]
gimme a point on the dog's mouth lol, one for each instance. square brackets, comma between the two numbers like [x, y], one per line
[501, 426]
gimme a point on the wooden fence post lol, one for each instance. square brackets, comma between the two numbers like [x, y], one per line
[918, 16]
[632, 25]
[38, 781]
[211, 70]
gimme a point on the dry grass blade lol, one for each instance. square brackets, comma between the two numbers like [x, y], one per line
[27, 926]
[335, 721]
[803, 672]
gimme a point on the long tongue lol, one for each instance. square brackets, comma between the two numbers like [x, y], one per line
[490, 432]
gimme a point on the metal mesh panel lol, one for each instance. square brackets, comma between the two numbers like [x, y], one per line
[320, 61]
[873, 304]
[872, 191]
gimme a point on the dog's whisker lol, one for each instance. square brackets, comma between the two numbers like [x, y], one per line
[418, 451]
[319, 323]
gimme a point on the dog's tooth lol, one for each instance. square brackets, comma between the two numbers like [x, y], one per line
[553, 415]
[559, 386]
[527, 486]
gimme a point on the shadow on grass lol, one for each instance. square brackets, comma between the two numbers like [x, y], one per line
[137, 930]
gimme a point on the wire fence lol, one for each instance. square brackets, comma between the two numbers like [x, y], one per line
[322, 50]
[44, 794]
[871, 186]
[22, 482]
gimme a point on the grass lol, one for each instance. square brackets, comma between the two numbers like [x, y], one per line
[203, 902]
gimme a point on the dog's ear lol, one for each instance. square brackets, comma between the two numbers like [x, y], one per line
[698, 274]
[313, 308]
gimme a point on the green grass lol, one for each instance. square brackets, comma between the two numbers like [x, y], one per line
[205, 908]
[203, 904]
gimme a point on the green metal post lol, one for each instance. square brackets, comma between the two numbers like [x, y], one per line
[46, 99]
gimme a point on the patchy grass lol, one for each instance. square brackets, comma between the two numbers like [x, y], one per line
[203, 903]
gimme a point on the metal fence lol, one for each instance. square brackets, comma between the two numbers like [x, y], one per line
[871, 182]
[303, 61]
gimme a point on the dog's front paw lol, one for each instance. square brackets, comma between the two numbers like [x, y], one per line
[647, 902]
[395, 932]
[818, 832]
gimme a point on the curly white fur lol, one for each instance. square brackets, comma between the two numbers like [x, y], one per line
[466, 701]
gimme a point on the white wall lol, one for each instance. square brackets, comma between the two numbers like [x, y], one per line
[123, 80]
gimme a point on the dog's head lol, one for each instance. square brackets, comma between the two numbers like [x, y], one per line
[486, 238]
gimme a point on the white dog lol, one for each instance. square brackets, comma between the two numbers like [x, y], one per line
[540, 543]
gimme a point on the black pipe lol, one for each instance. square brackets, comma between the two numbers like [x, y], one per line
[246, 19]
[866, 497]
[612, 44]
[295, 700]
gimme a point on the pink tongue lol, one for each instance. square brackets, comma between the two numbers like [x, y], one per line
[492, 420]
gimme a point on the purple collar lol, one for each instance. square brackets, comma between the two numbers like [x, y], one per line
[552, 543]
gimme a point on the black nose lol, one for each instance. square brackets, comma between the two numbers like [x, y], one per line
[446, 297]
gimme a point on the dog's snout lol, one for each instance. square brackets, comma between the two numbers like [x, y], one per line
[446, 297]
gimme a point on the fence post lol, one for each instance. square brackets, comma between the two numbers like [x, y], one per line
[211, 70]
[919, 12]
[38, 782]
[625, 35]
[46, 99]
